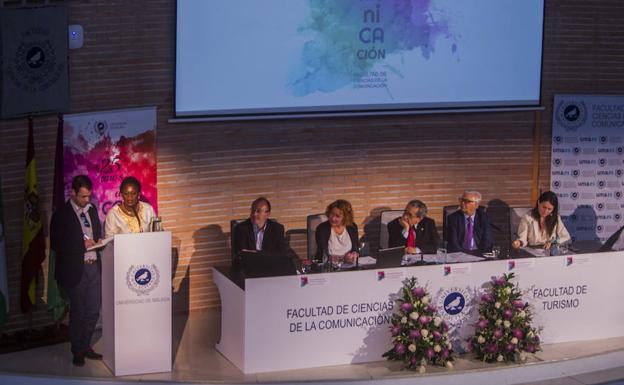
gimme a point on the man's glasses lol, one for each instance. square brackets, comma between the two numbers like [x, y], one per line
[466, 201]
[85, 221]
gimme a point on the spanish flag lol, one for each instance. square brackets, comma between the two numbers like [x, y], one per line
[33, 242]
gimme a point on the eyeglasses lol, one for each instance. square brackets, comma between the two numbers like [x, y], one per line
[85, 221]
[466, 201]
[260, 211]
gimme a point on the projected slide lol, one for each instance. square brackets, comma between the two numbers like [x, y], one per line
[237, 57]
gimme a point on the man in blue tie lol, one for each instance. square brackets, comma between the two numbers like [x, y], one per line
[469, 228]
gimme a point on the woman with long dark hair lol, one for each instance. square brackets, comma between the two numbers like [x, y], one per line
[542, 226]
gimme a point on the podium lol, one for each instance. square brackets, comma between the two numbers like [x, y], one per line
[136, 303]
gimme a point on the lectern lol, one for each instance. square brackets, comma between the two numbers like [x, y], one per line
[136, 303]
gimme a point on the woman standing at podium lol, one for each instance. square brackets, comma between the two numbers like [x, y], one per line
[131, 215]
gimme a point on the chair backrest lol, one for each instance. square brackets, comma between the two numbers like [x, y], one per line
[233, 224]
[446, 211]
[312, 223]
[515, 214]
[386, 217]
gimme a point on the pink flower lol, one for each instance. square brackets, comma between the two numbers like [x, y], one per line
[430, 353]
[406, 307]
[487, 297]
[436, 335]
[517, 333]
[508, 314]
[445, 354]
[518, 304]
[414, 334]
[431, 308]
[491, 348]
[399, 349]
[530, 348]
[483, 323]
[424, 320]
[418, 292]
[510, 347]
[498, 333]
[395, 330]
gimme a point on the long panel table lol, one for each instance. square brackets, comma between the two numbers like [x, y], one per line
[291, 322]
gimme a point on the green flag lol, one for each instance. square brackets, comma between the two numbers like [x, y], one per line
[57, 303]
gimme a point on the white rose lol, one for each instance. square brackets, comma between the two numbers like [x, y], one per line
[422, 369]
[449, 364]
[448, 345]
[425, 300]
[481, 340]
[506, 324]
[500, 358]
[522, 314]
[413, 315]
[437, 348]
[437, 321]
[507, 290]
[404, 320]
[499, 321]
[497, 305]
[514, 341]
[530, 334]
[411, 348]
[424, 332]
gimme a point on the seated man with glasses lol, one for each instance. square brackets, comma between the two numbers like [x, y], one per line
[414, 230]
[469, 229]
[260, 234]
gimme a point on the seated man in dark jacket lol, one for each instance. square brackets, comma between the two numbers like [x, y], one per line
[414, 230]
[260, 234]
[469, 229]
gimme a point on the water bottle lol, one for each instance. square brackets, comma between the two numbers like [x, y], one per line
[554, 247]
[156, 224]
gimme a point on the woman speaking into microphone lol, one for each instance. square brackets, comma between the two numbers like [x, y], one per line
[130, 215]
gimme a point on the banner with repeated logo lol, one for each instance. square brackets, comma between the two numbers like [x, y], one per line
[587, 169]
[109, 146]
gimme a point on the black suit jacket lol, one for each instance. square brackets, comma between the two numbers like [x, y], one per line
[66, 239]
[323, 231]
[273, 243]
[456, 227]
[427, 238]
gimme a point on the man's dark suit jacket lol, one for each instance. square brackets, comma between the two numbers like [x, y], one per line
[67, 240]
[456, 227]
[323, 231]
[427, 238]
[273, 243]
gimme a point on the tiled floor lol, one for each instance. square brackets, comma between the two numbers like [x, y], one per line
[195, 360]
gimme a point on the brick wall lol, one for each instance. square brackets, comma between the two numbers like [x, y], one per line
[208, 173]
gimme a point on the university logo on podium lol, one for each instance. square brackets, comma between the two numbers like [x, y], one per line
[142, 279]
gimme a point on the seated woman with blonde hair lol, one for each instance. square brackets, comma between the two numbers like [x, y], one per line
[338, 235]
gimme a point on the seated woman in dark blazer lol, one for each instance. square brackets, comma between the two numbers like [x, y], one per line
[338, 235]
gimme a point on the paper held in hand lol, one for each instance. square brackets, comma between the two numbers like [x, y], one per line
[101, 243]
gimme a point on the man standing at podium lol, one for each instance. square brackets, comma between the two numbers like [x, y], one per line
[75, 227]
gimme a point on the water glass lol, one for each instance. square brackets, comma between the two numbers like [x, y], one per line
[496, 251]
[306, 266]
[441, 255]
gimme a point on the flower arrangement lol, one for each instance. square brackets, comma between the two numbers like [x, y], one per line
[504, 332]
[419, 337]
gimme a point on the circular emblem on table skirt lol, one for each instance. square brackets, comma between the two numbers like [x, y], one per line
[454, 304]
[142, 279]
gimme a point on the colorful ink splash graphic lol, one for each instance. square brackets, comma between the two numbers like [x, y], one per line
[108, 147]
[348, 38]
